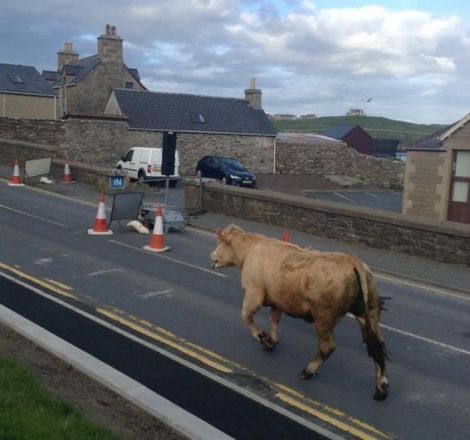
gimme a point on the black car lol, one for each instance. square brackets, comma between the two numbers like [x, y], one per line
[229, 171]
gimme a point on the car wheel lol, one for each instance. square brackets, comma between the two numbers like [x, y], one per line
[141, 177]
[199, 173]
[224, 181]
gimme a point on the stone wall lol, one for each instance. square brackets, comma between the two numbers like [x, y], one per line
[95, 142]
[46, 132]
[424, 193]
[102, 141]
[325, 158]
[255, 152]
[442, 241]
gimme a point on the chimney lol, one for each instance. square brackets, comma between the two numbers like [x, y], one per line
[110, 46]
[66, 56]
[253, 95]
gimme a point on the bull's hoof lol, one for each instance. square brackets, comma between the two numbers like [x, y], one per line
[266, 341]
[381, 393]
[305, 375]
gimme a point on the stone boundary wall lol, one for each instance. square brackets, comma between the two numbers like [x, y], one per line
[101, 142]
[321, 159]
[441, 241]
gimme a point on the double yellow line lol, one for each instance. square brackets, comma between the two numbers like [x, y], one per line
[287, 396]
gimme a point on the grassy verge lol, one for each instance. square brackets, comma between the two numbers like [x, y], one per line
[27, 412]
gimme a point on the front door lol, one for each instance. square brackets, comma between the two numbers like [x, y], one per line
[459, 200]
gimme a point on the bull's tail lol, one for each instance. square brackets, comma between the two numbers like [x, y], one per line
[375, 344]
[361, 275]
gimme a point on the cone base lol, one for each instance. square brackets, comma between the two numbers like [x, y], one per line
[93, 232]
[15, 184]
[68, 182]
[151, 249]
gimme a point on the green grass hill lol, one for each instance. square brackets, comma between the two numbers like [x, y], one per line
[377, 127]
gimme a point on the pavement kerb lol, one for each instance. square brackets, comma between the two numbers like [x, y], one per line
[170, 414]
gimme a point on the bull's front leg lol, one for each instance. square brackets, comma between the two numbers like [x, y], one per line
[251, 304]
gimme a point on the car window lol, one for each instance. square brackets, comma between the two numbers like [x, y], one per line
[233, 164]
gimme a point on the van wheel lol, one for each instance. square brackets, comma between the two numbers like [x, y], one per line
[141, 177]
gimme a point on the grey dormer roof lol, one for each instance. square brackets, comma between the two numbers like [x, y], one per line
[23, 79]
[338, 131]
[192, 113]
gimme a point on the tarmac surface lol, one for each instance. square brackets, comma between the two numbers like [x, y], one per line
[397, 265]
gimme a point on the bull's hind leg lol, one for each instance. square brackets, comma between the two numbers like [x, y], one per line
[251, 304]
[274, 318]
[325, 345]
[375, 343]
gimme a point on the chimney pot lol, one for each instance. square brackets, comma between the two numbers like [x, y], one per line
[252, 83]
[113, 30]
[107, 29]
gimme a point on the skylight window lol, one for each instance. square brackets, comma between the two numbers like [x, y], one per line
[16, 78]
[197, 117]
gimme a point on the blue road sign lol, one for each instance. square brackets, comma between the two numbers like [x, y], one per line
[117, 182]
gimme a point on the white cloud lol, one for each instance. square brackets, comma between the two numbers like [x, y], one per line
[307, 59]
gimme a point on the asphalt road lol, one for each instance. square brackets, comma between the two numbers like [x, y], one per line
[178, 297]
[386, 200]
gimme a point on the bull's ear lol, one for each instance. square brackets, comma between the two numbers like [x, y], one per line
[221, 236]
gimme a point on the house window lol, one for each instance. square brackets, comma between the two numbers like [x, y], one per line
[129, 85]
[197, 117]
[16, 78]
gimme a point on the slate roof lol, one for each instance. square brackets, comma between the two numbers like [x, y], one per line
[16, 78]
[338, 131]
[81, 68]
[431, 142]
[182, 112]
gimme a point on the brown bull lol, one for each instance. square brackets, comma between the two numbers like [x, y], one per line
[317, 286]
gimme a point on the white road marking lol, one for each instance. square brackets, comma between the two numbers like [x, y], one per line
[372, 195]
[152, 294]
[27, 214]
[435, 290]
[200, 231]
[43, 261]
[420, 338]
[344, 197]
[429, 341]
[102, 272]
[174, 260]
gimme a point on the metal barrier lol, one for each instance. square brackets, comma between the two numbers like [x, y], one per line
[37, 168]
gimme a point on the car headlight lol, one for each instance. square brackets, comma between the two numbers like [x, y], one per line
[235, 177]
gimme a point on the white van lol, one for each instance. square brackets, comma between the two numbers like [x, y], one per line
[142, 163]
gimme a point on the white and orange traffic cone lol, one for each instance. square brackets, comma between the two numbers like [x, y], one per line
[285, 237]
[67, 176]
[16, 179]
[101, 225]
[157, 241]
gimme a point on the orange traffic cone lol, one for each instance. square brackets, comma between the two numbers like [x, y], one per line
[67, 176]
[101, 225]
[285, 237]
[157, 241]
[16, 179]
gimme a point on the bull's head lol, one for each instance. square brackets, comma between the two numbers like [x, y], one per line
[224, 254]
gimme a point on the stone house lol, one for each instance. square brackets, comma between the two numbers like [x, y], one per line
[84, 84]
[437, 175]
[204, 125]
[24, 93]
[352, 135]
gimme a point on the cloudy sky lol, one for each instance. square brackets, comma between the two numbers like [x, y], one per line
[324, 57]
